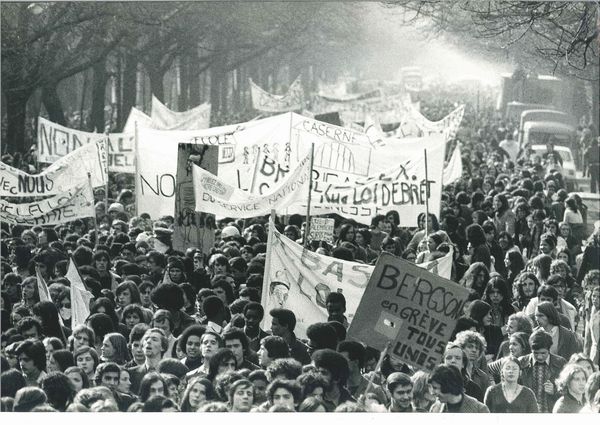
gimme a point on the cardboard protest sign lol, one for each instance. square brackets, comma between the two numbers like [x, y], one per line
[163, 118]
[192, 228]
[55, 141]
[413, 309]
[454, 169]
[215, 196]
[67, 172]
[300, 280]
[77, 202]
[321, 229]
[264, 101]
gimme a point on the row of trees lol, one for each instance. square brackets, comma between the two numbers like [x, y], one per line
[68, 55]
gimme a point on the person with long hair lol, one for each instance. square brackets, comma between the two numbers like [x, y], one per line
[106, 306]
[477, 245]
[524, 289]
[476, 278]
[152, 384]
[432, 226]
[210, 342]
[513, 260]
[571, 384]
[198, 391]
[101, 262]
[241, 396]
[222, 361]
[497, 295]
[540, 265]
[114, 349]
[504, 218]
[509, 396]
[47, 314]
[86, 358]
[78, 378]
[127, 293]
[60, 360]
[29, 294]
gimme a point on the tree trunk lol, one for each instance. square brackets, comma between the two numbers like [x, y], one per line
[98, 97]
[129, 86]
[194, 78]
[52, 104]
[224, 86]
[184, 83]
[156, 82]
[596, 106]
[215, 91]
[16, 109]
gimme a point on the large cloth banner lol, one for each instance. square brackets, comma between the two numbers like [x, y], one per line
[215, 196]
[67, 172]
[454, 169]
[55, 141]
[388, 109]
[191, 228]
[411, 308]
[163, 118]
[264, 101]
[77, 202]
[254, 156]
[397, 183]
[300, 280]
[447, 125]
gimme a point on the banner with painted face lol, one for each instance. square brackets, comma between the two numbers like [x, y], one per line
[264, 101]
[411, 308]
[163, 118]
[215, 196]
[300, 280]
[67, 172]
[55, 141]
[77, 202]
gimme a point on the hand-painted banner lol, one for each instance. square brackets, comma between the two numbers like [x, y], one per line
[386, 110]
[76, 203]
[352, 97]
[448, 125]
[300, 280]
[55, 141]
[67, 172]
[411, 308]
[163, 118]
[191, 228]
[264, 101]
[215, 196]
[398, 183]
[454, 169]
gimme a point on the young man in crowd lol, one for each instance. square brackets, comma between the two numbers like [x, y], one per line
[283, 323]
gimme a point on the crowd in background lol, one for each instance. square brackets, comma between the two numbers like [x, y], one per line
[180, 331]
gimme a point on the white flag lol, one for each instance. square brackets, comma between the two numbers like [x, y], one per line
[80, 296]
[42, 287]
[453, 170]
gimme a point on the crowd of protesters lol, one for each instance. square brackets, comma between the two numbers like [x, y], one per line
[180, 331]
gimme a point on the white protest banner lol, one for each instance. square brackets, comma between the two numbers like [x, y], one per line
[163, 118]
[398, 183]
[454, 169]
[321, 229]
[386, 110]
[55, 141]
[192, 228]
[80, 296]
[136, 117]
[300, 280]
[157, 159]
[264, 101]
[67, 172]
[215, 196]
[447, 125]
[77, 202]
[414, 310]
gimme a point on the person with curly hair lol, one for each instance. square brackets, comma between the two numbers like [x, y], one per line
[571, 384]
[497, 295]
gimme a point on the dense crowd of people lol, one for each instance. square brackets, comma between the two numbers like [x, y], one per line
[181, 331]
